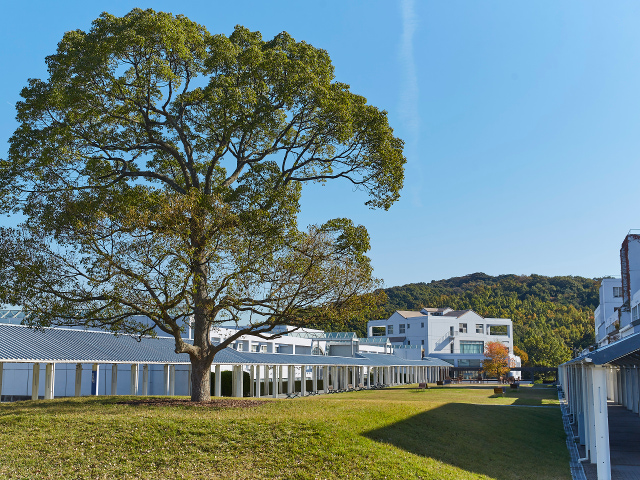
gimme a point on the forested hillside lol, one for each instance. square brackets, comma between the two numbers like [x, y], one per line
[552, 316]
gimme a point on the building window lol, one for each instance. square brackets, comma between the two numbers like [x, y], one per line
[408, 342]
[401, 328]
[422, 342]
[451, 331]
[421, 324]
[471, 347]
[451, 347]
[463, 328]
[617, 291]
[254, 348]
[389, 329]
[408, 325]
[479, 328]
[263, 348]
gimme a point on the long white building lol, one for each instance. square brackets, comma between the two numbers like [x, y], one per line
[63, 362]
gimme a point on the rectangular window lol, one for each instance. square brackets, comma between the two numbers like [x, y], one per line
[451, 331]
[408, 342]
[463, 328]
[422, 342]
[471, 347]
[401, 328]
[617, 291]
[389, 329]
[498, 330]
[479, 328]
[254, 348]
[378, 331]
[634, 313]
[263, 348]
[421, 324]
[408, 325]
[451, 347]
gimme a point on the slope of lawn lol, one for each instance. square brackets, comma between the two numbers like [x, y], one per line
[439, 433]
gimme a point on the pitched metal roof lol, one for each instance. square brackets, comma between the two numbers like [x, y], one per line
[623, 352]
[385, 360]
[20, 343]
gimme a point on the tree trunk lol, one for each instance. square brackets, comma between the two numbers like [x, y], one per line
[200, 380]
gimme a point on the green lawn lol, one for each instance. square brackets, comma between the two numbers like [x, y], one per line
[440, 433]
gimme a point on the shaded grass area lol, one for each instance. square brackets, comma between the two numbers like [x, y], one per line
[445, 433]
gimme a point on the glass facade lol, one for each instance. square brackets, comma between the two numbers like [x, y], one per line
[467, 346]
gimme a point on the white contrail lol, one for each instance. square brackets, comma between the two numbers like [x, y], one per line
[409, 93]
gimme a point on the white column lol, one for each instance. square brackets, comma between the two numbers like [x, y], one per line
[114, 379]
[1, 368]
[620, 387]
[258, 381]
[35, 381]
[95, 379]
[134, 379]
[145, 379]
[314, 379]
[48, 381]
[303, 380]
[589, 414]
[634, 390]
[280, 390]
[239, 381]
[165, 382]
[599, 384]
[611, 384]
[78, 389]
[629, 382]
[325, 378]
[217, 383]
[275, 381]
[252, 381]
[172, 380]
[354, 377]
[292, 379]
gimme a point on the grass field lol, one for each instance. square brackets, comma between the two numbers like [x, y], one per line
[441, 433]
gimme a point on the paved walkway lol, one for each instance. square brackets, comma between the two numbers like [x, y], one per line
[624, 442]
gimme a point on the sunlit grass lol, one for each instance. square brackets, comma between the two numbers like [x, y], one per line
[440, 433]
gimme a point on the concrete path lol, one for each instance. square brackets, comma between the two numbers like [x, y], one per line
[624, 441]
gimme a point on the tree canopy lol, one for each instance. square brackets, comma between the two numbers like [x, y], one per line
[496, 359]
[160, 170]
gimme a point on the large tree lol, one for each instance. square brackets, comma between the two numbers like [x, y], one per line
[160, 169]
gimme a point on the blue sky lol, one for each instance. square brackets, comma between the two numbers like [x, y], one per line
[521, 120]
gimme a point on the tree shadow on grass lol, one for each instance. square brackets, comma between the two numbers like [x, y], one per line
[500, 442]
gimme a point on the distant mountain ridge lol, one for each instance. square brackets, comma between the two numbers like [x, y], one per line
[552, 316]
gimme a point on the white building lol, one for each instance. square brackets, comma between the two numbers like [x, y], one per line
[618, 314]
[606, 316]
[456, 336]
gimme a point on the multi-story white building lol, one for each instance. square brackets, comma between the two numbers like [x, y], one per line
[618, 314]
[606, 316]
[457, 336]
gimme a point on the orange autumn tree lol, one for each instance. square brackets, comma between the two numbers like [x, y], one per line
[496, 359]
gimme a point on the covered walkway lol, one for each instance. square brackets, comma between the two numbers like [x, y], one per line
[602, 389]
[624, 444]
[122, 355]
